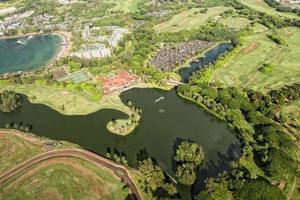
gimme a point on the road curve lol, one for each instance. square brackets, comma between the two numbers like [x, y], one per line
[118, 170]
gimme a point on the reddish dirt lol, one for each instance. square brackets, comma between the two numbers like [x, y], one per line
[122, 80]
[252, 47]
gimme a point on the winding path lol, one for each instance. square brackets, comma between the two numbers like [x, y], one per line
[118, 170]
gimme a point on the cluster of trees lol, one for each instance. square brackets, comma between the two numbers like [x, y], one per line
[212, 31]
[19, 126]
[155, 180]
[47, 79]
[285, 94]
[276, 38]
[282, 8]
[266, 68]
[10, 101]
[255, 117]
[270, 21]
[117, 156]
[188, 158]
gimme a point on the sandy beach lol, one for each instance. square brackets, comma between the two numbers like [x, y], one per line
[66, 44]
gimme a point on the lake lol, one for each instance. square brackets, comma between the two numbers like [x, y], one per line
[28, 53]
[164, 124]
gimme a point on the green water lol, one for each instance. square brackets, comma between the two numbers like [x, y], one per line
[163, 125]
[156, 136]
[28, 53]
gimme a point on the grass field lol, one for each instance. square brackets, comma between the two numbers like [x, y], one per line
[261, 6]
[74, 103]
[14, 150]
[189, 19]
[235, 22]
[125, 5]
[64, 178]
[243, 69]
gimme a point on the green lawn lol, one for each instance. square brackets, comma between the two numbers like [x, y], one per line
[261, 6]
[243, 69]
[75, 103]
[235, 22]
[14, 150]
[64, 178]
[125, 5]
[189, 19]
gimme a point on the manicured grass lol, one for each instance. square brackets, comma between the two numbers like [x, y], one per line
[243, 69]
[64, 178]
[235, 22]
[125, 5]
[189, 19]
[14, 150]
[251, 166]
[75, 103]
[261, 6]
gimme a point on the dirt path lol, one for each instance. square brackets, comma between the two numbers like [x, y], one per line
[118, 170]
[256, 74]
[289, 196]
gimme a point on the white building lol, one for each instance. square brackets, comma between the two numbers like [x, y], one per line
[99, 51]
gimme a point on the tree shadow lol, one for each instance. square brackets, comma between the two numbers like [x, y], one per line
[212, 168]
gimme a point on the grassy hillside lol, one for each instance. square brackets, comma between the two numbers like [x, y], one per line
[244, 69]
[125, 5]
[64, 178]
[189, 19]
[261, 6]
[14, 150]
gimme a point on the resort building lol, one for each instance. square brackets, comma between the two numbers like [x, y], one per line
[122, 80]
[103, 44]
[98, 51]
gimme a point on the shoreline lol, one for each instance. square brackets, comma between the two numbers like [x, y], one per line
[65, 46]
[62, 51]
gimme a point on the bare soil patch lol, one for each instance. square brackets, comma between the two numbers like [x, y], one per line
[252, 47]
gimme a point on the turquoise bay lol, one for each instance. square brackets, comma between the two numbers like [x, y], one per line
[28, 53]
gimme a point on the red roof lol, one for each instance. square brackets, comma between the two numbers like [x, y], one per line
[123, 79]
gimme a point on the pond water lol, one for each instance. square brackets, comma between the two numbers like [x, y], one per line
[208, 58]
[156, 136]
[164, 124]
[28, 53]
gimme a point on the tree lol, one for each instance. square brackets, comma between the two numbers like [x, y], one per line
[10, 101]
[186, 174]
[258, 190]
[189, 152]
[280, 163]
[170, 189]
[153, 174]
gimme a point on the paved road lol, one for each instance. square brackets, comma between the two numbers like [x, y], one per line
[118, 170]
